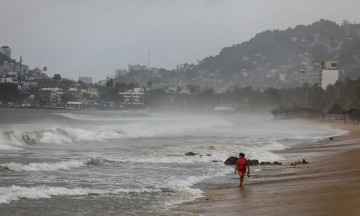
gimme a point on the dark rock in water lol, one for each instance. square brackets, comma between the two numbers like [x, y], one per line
[215, 161]
[269, 163]
[209, 155]
[265, 163]
[253, 162]
[231, 161]
[190, 154]
[299, 162]
[277, 163]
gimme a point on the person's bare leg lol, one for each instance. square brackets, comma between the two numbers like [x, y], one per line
[241, 180]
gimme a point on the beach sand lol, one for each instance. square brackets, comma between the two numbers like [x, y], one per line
[328, 185]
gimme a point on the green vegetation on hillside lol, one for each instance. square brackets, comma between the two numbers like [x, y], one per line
[286, 50]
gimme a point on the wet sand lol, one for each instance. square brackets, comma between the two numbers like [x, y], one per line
[328, 185]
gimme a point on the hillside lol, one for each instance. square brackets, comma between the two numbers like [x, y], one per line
[272, 58]
[4, 58]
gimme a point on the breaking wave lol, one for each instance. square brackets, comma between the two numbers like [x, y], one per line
[186, 185]
[48, 167]
[13, 193]
[59, 135]
[173, 159]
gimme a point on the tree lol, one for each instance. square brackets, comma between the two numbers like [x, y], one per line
[110, 83]
[8, 92]
[57, 77]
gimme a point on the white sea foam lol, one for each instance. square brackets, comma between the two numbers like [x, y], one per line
[63, 165]
[186, 185]
[272, 145]
[48, 167]
[13, 193]
[170, 159]
[8, 194]
[8, 147]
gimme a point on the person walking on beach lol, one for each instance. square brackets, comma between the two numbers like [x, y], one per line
[241, 165]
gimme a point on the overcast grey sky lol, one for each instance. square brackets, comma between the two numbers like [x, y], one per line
[96, 37]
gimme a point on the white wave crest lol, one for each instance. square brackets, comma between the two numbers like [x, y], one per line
[145, 129]
[171, 159]
[63, 165]
[8, 194]
[13, 193]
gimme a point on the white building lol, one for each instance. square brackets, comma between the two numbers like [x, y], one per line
[137, 67]
[74, 105]
[134, 98]
[320, 73]
[53, 94]
[6, 80]
[329, 77]
[86, 80]
[12, 76]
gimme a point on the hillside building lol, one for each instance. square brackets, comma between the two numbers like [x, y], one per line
[52, 96]
[120, 72]
[134, 68]
[134, 98]
[6, 51]
[321, 73]
[86, 80]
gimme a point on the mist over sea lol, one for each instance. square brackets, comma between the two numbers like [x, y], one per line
[128, 163]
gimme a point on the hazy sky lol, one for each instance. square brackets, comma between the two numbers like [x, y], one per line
[96, 37]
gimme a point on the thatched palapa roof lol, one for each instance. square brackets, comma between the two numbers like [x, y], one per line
[336, 109]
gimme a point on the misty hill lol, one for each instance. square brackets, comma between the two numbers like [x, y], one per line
[272, 58]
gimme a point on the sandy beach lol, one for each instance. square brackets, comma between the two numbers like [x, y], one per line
[329, 184]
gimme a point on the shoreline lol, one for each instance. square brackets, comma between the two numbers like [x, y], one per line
[328, 185]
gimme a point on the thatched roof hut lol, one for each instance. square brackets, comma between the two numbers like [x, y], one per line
[278, 110]
[353, 115]
[295, 112]
[336, 111]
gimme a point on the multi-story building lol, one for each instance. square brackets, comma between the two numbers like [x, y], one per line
[86, 80]
[120, 72]
[6, 51]
[319, 73]
[6, 80]
[13, 76]
[52, 95]
[133, 68]
[133, 98]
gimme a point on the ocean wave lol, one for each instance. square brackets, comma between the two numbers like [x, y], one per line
[60, 135]
[171, 159]
[64, 165]
[119, 116]
[48, 167]
[185, 185]
[13, 193]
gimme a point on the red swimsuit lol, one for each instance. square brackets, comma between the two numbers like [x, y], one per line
[241, 165]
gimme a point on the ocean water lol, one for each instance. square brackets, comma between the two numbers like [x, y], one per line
[128, 163]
